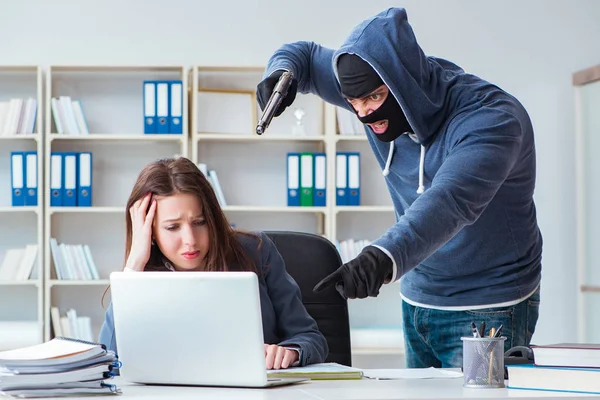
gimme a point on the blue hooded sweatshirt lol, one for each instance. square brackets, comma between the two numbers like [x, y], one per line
[462, 185]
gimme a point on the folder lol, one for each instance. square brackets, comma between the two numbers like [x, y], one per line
[162, 106]
[56, 179]
[353, 179]
[306, 179]
[17, 178]
[293, 179]
[69, 179]
[176, 107]
[31, 178]
[84, 188]
[150, 107]
[341, 179]
[320, 170]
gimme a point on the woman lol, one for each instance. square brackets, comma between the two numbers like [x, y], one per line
[175, 224]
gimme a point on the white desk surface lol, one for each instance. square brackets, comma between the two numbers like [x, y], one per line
[450, 388]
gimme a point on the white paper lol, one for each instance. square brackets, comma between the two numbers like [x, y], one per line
[411, 373]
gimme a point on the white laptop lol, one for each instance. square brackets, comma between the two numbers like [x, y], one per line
[190, 328]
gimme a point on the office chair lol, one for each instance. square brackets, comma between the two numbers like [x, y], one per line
[308, 259]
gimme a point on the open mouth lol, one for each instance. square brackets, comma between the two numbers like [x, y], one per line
[379, 126]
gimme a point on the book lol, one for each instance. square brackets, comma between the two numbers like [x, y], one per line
[57, 351]
[567, 355]
[61, 366]
[318, 372]
[532, 377]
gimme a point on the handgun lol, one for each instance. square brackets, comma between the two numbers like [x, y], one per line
[279, 93]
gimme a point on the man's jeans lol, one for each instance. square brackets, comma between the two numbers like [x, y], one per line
[432, 337]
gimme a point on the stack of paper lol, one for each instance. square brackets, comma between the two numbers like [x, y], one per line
[59, 367]
[318, 371]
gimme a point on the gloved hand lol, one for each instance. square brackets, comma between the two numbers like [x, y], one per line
[264, 90]
[362, 276]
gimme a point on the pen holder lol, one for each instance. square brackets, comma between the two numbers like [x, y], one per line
[483, 362]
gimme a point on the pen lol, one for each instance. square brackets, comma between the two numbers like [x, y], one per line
[493, 332]
[499, 331]
[475, 331]
[482, 329]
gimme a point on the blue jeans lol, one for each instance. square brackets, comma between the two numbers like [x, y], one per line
[432, 337]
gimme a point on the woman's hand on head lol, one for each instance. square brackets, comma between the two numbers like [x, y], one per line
[278, 357]
[142, 215]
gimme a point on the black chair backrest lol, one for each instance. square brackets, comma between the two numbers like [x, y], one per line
[308, 259]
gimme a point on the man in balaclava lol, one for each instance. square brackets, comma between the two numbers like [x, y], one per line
[458, 157]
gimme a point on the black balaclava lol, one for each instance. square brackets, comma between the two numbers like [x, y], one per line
[357, 79]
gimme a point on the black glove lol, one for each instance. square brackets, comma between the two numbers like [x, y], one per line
[264, 90]
[361, 277]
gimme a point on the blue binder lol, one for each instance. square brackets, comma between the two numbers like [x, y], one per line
[353, 179]
[293, 179]
[31, 178]
[69, 181]
[162, 106]
[149, 94]
[320, 180]
[56, 167]
[176, 107]
[17, 178]
[84, 179]
[341, 179]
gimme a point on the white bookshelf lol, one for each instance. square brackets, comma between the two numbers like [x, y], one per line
[21, 225]
[251, 168]
[112, 102]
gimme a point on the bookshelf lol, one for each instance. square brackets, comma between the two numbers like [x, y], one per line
[112, 101]
[256, 194]
[587, 126]
[22, 225]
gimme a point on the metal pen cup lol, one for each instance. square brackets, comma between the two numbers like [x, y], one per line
[483, 362]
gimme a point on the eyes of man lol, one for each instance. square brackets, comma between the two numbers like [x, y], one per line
[377, 96]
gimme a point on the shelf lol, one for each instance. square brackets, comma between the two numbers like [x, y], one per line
[364, 209]
[21, 136]
[351, 138]
[30, 282]
[88, 210]
[275, 209]
[59, 282]
[122, 68]
[20, 209]
[232, 137]
[120, 137]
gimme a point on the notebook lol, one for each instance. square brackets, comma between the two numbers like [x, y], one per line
[192, 328]
[321, 371]
[54, 353]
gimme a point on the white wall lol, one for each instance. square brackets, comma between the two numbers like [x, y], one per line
[529, 47]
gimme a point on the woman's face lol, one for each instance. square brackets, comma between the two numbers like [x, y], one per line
[180, 231]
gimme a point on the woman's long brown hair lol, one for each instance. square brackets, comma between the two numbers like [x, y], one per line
[170, 176]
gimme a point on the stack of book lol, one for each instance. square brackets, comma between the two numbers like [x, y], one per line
[59, 367]
[564, 367]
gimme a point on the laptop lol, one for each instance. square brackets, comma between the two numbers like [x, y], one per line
[190, 328]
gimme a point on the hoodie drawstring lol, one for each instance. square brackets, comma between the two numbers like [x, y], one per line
[386, 170]
[421, 187]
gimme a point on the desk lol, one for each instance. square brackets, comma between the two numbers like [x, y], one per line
[339, 390]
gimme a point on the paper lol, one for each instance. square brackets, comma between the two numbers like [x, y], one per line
[411, 373]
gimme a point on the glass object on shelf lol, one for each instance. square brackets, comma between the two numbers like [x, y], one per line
[299, 129]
